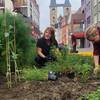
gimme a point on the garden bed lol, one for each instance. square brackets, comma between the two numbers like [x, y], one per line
[61, 89]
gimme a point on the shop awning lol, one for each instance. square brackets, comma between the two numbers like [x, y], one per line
[79, 35]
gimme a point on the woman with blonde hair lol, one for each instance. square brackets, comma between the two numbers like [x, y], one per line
[93, 35]
[43, 47]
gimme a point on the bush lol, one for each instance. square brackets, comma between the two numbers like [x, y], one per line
[24, 41]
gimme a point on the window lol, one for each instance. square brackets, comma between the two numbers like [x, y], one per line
[1, 1]
[82, 2]
[99, 16]
[53, 9]
[67, 9]
[88, 20]
[95, 19]
[24, 1]
[53, 17]
[98, 0]
[88, 6]
[95, 2]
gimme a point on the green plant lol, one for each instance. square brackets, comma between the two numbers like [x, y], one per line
[91, 96]
[25, 45]
[34, 74]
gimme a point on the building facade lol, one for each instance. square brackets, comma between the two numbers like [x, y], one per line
[2, 4]
[60, 22]
[6, 4]
[87, 10]
[29, 9]
[86, 6]
[53, 11]
[96, 11]
[77, 35]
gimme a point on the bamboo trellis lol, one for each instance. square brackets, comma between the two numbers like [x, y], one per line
[11, 53]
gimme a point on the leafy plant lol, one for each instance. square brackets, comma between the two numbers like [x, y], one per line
[91, 96]
[83, 71]
[34, 74]
[25, 44]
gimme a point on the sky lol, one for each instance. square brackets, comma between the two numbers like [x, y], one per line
[44, 10]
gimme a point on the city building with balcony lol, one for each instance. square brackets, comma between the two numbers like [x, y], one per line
[86, 6]
[91, 13]
[76, 29]
[29, 9]
[62, 30]
[2, 6]
[96, 12]
[6, 5]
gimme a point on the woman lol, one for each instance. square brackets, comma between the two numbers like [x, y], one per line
[43, 47]
[93, 35]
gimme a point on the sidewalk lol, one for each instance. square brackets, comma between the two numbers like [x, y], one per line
[85, 49]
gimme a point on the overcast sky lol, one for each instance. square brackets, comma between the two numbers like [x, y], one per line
[44, 10]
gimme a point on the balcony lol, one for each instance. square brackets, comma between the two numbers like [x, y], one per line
[19, 3]
[1, 5]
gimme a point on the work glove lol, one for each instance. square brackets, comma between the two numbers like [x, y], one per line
[49, 58]
[97, 70]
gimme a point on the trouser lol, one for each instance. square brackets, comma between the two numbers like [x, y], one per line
[39, 61]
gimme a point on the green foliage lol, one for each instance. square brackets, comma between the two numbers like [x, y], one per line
[74, 59]
[25, 45]
[34, 74]
[83, 71]
[91, 96]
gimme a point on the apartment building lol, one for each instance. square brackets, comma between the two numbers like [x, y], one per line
[6, 4]
[76, 28]
[96, 11]
[1, 4]
[86, 6]
[29, 9]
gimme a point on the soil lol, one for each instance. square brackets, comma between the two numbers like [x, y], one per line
[61, 89]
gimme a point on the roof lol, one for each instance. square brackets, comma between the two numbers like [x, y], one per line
[77, 18]
[53, 3]
[67, 3]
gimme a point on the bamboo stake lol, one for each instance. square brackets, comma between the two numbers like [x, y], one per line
[17, 74]
[8, 73]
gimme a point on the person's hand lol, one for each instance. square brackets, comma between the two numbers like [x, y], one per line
[96, 70]
[49, 58]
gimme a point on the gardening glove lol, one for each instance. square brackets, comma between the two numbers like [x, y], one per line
[96, 70]
[48, 58]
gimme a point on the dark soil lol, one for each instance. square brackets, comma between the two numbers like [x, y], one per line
[61, 89]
